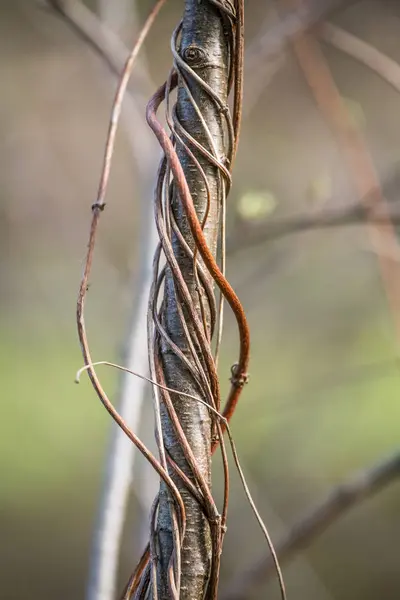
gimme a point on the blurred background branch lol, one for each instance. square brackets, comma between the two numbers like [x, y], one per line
[357, 159]
[358, 488]
[250, 235]
[358, 49]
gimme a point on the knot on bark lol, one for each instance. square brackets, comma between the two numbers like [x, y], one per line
[98, 206]
[196, 57]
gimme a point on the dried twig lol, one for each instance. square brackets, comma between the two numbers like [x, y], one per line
[120, 456]
[313, 523]
[117, 106]
[109, 576]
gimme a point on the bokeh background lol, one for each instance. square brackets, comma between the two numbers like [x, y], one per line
[323, 400]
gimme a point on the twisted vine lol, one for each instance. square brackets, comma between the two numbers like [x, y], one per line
[183, 227]
[196, 311]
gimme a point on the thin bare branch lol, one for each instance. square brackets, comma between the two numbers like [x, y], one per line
[117, 106]
[249, 236]
[260, 53]
[356, 155]
[100, 37]
[384, 66]
[272, 40]
[102, 580]
[359, 487]
[120, 462]
[114, 54]
[265, 55]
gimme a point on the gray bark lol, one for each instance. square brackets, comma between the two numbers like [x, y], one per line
[202, 29]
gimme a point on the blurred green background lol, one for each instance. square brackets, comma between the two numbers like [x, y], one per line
[323, 400]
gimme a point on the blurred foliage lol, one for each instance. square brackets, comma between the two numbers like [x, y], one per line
[58, 427]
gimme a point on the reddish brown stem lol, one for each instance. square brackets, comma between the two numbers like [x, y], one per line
[239, 372]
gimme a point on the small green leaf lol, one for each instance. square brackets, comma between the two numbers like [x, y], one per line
[254, 205]
[356, 112]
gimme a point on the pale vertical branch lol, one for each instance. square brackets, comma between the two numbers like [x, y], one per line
[117, 14]
[121, 454]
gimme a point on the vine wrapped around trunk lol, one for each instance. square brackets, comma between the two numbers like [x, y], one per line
[193, 181]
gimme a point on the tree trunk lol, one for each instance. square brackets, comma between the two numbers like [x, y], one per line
[205, 47]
